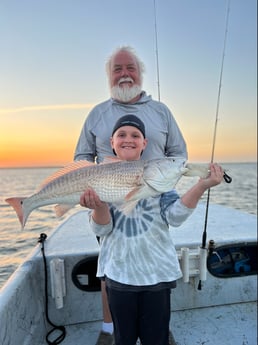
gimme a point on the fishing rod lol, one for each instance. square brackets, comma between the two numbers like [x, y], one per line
[227, 178]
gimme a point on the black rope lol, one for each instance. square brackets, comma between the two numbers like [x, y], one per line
[62, 330]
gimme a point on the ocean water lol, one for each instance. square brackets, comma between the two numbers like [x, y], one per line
[16, 244]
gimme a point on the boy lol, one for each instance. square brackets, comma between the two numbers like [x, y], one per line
[137, 257]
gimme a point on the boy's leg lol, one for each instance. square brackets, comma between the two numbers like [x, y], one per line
[105, 306]
[154, 317]
[106, 333]
[124, 310]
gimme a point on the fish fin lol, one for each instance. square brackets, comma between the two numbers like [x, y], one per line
[201, 170]
[111, 159]
[66, 169]
[73, 166]
[16, 203]
[132, 194]
[61, 209]
[127, 207]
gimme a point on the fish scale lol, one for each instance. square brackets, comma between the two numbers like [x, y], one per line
[110, 183]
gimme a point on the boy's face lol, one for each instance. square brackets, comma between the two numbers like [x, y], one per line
[128, 142]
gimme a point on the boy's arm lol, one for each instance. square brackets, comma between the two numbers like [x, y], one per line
[182, 208]
[192, 196]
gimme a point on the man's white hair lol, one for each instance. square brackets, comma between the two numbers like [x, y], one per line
[129, 50]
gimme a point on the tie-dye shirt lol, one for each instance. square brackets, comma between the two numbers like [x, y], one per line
[138, 249]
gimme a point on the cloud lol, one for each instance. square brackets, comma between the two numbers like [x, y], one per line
[46, 107]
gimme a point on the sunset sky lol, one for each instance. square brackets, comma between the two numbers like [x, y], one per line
[52, 72]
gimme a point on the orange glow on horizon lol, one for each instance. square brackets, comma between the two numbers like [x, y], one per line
[36, 139]
[37, 157]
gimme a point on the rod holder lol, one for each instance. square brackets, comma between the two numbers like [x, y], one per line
[57, 276]
[202, 263]
[185, 264]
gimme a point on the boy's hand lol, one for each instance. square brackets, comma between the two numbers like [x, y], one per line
[215, 177]
[90, 199]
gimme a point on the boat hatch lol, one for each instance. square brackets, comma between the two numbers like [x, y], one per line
[84, 274]
[232, 260]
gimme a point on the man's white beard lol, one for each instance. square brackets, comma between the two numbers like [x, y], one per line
[125, 94]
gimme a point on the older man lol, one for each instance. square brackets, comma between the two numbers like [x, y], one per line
[125, 75]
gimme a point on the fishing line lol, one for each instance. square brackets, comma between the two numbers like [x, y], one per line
[227, 178]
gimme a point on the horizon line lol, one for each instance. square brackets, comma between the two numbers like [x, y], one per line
[62, 165]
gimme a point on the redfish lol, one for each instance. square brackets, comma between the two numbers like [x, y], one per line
[116, 181]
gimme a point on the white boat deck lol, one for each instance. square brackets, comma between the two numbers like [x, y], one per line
[220, 325]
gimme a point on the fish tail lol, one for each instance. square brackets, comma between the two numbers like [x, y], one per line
[17, 204]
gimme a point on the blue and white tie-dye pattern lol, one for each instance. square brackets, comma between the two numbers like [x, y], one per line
[138, 249]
